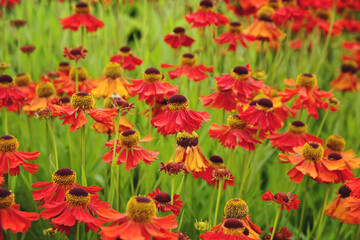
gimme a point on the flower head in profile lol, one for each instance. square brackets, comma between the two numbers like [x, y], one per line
[178, 38]
[126, 59]
[347, 80]
[283, 234]
[322, 18]
[163, 202]
[284, 199]
[27, 49]
[221, 99]
[81, 17]
[75, 53]
[173, 168]
[18, 23]
[140, 222]
[11, 96]
[25, 83]
[178, 117]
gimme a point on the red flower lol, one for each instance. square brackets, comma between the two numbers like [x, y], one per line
[152, 87]
[347, 80]
[232, 229]
[10, 217]
[295, 137]
[322, 21]
[129, 151]
[79, 206]
[289, 12]
[354, 186]
[81, 17]
[351, 25]
[11, 158]
[126, 59]
[283, 234]
[178, 38]
[63, 180]
[11, 96]
[310, 97]
[178, 117]
[205, 16]
[80, 103]
[220, 99]
[163, 202]
[2, 179]
[140, 222]
[9, 3]
[245, 7]
[75, 53]
[26, 85]
[236, 133]
[189, 68]
[285, 200]
[233, 36]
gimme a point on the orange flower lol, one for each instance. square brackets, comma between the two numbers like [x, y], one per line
[347, 80]
[283, 234]
[11, 96]
[232, 229]
[126, 58]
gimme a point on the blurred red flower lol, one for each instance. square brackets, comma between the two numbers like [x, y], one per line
[11, 96]
[284, 199]
[163, 202]
[283, 234]
[178, 38]
[233, 36]
[126, 59]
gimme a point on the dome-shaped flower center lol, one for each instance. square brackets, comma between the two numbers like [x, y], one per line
[77, 196]
[235, 27]
[349, 66]
[236, 208]
[82, 100]
[5, 79]
[45, 90]
[264, 104]
[163, 198]
[265, 13]
[113, 70]
[188, 59]
[141, 209]
[335, 143]
[6, 198]
[22, 79]
[206, 5]
[235, 122]
[240, 73]
[323, 14]
[63, 67]
[18, 23]
[8, 143]
[275, 4]
[177, 102]
[43, 113]
[64, 177]
[234, 227]
[312, 151]
[82, 8]
[334, 156]
[129, 138]
[82, 74]
[152, 75]
[125, 51]
[185, 139]
[64, 100]
[344, 191]
[179, 31]
[108, 102]
[297, 128]
[282, 196]
[306, 80]
[216, 160]
[221, 173]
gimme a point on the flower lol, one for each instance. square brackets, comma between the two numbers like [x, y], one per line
[11, 159]
[27, 49]
[347, 80]
[233, 36]
[126, 58]
[173, 168]
[245, 7]
[349, 23]
[232, 229]
[75, 53]
[129, 151]
[163, 202]
[205, 16]
[24, 82]
[343, 174]
[321, 19]
[111, 82]
[236, 133]
[284, 199]
[64, 67]
[18, 23]
[310, 160]
[295, 137]
[80, 103]
[78, 206]
[182, 236]
[9, 3]
[189, 68]
[140, 222]
[290, 11]
[11, 96]
[178, 38]
[178, 117]
[10, 217]
[220, 99]
[63, 180]
[310, 97]
[262, 115]
[283, 234]
[81, 17]
[152, 87]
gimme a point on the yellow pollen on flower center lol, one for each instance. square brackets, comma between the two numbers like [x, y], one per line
[141, 209]
[7, 201]
[235, 27]
[335, 143]
[82, 10]
[45, 90]
[265, 13]
[129, 138]
[186, 139]
[297, 129]
[236, 208]
[77, 200]
[312, 151]
[235, 122]
[238, 77]
[82, 100]
[63, 67]
[178, 106]
[113, 70]
[323, 14]
[152, 77]
[65, 180]
[191, 61]
[306, 80]
[21, 80]
[82, 74]
[8, 143]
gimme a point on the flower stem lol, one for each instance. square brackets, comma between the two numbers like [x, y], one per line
[277, 216]
[132, 182]
[221, 183]
[48, 148]
[77, 230]
[76, 77]
[82, 35]
[358, 234]
[70, 149]
[230, 158]
[245, 172]
[320, 222]
[303, 208]
[323, 121]
[118, 188]
[83, 147]
[54, 143]
[211, 201]
[172, 188]
[339, 230]
[6, 128]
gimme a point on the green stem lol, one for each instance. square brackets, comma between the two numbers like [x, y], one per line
[83, 147]
[339, 230]
[118, 188]
[357, 237]
[48, 148]
[31, 137]
[77, 230]
[221, 183]
[322, 122]
[70, 149]
[8, 174]
[82, 35]
[303, 208]
[172, 188]
[320, 222]
[245, 172]
[76, 77]
[301, 111]
[6, 128]
[54, 143]
[230, 158]
[211, 202]
[277, 216]
[132, 182]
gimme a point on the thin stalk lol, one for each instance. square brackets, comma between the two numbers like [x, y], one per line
[339, 230]
[82, 35]
[230, 158]
[70, 149]
[320, 222]
[77, 230]
[172, 188]
[221, 183]
[301, 111]
[245, 172]
[277, 217]
[211, 202]
[54, 143]
[357, 237]
[8, 175]
[6, 128]
[47, 137]
[132, 182]
[323, 121]
[303, 208]
[76, 76]
[31, 137]
[118, 188]
[83, 147]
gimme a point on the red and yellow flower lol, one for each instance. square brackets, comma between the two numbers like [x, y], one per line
[163, 202]
[283, 234]
[27, 86]
[233, 36]
[284, 199]
[75, 53]
[178, 38]
[11, 96]
[220, 99]
[126, 59]
[347, 80]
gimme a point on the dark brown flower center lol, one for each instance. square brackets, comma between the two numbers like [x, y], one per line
[77, 196]
[78, 191]
[233, 223]
[241, 70]
[298, 127]
[163, 198]
[283, 196]
[185, 139]
[207, 3]
[125, 49]
[344, 191]
[5, 79]
[4, 192]
[179, 30]
[142, 199]
[265, 102]
[349, 66]
[334, 156]
[64, 100]
[216, 159]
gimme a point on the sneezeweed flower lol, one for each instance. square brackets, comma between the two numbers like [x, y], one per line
[343, 174]
[290, 11]
[9, 3]
[27, 49]
[18, 23]
[63, 180]
[74, 114]
[10, 217]
[245, 8]
[129, 151]
[163, 202]
[310, 97]
[321, 19]
[63, 68]
[220, 99]
[233, 36]
[205, 16]
[81, 17]
[4, 66]
[43, 113]
[202, 226]
[295, 137]
[178, 117]
[140, 222]
[284, 199]
[173, 168]
[111, 82]
[189, 68]
[126, 59]
[349, 22]
[178, 38]
[75, 53]
[78, 206]
[11, 159]
[182, 236]
[347, 80]
[283, 234]
[152, 87]
[11, 96]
